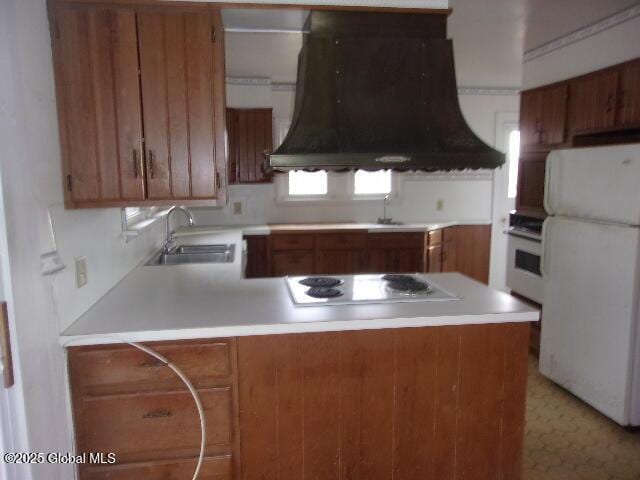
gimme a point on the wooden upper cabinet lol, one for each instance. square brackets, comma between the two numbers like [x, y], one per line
[629, 95]
[99, 104]
[553, 115]
[122, 71]
[543, 116]
[250, 134]
[593, 101]
[178, 61]
[530, 108]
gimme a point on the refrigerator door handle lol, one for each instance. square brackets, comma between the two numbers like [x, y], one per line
[547, 184]
[543, 248]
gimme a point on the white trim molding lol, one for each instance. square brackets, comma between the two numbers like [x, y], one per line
[248, 81]
[291, 86]
[491, 91]
[283, 87]
[435, 4]
[448, 176]
[582, 33]
[264, 30]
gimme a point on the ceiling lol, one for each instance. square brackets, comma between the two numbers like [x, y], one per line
[489, 36]
[547, 20]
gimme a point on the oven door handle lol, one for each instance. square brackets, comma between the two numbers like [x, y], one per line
[543, 249]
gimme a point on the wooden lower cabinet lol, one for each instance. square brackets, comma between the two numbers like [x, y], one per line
[257, 256]
[434, 259]
[466, 249]
[472, 245]
[293, 263]
[127, 403]
[340, 253]
[463, 248]
[404, 404]
[395, 252]
[213, 468]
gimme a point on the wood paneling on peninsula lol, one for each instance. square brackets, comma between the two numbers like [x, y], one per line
[409, 404]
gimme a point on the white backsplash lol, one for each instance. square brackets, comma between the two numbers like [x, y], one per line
[463, 199]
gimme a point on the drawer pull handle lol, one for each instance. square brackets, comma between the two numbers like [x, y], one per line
[157, 414]
[135, 163]
[152, 364]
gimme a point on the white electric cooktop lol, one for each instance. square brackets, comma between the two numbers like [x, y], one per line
[371, 288]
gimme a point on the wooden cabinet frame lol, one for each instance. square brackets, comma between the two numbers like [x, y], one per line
[102, 165]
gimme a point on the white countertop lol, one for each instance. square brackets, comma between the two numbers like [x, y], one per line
[266, 229]
[212, 300]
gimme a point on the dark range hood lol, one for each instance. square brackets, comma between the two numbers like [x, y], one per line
[378, 91]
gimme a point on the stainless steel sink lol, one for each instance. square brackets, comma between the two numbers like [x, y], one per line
[387, 221]
[220, 253]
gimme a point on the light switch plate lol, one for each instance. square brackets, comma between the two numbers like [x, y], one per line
[81, 272]
[237, 208]
[439, 204]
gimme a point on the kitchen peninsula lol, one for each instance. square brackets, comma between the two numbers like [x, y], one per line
[413, 390]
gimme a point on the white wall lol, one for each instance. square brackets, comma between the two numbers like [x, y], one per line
[609, 47]
[31, 185]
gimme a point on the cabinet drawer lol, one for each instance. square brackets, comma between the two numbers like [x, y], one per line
[395, 240]
[154, 426]
[213, 468]
[342, 241]
[120, 369]
[292, 242]
[435, 237]
[293, 264]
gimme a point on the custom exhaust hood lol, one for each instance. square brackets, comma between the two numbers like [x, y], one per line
[378, 91]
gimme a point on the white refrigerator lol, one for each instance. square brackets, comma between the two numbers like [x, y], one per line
[590, 264]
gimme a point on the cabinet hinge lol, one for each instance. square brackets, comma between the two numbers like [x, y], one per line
[213, 34]
[69, 183]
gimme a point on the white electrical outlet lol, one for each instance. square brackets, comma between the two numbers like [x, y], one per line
[237, 208]
[81, 272]
[440, 205]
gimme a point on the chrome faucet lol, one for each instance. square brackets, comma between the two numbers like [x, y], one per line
[169, 244]
[384, 220]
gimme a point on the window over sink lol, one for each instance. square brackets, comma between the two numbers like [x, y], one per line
[323, 186]
[303, 183]
[372, 183]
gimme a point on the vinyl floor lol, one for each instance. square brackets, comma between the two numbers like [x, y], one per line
[566, 439]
